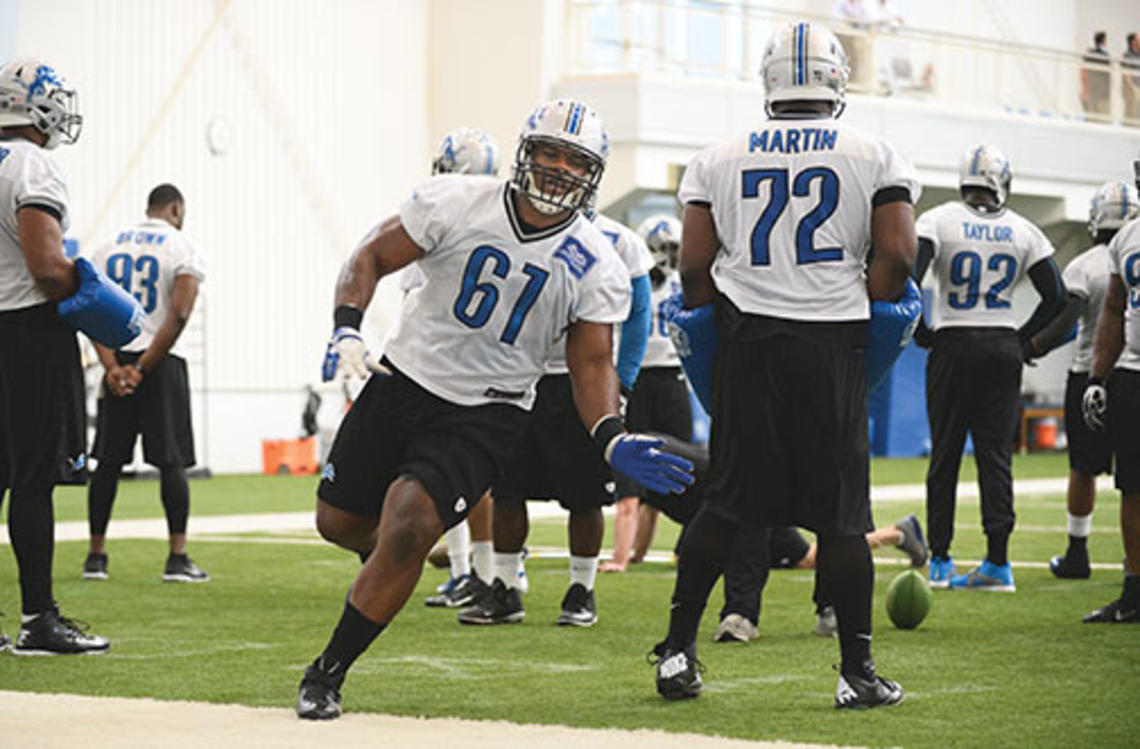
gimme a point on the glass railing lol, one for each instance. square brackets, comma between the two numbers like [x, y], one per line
[714, 39]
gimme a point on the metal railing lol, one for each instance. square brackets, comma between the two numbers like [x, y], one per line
[722, 39]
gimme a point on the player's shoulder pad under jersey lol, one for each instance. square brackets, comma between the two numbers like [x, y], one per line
[440, 203]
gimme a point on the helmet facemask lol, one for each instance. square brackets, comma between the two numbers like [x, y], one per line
[555, 189]
[33, 94]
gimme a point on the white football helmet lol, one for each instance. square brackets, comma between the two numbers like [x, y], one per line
[467, 150]
[569, 126]
[32, 93]
[662, 235]
[1113, 206]
[805, 62]
[985, 166]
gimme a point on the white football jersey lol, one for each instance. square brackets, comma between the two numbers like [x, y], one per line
[631, 249]
[1086, 276]
[495, 303]
[792, 204]
[145, 259]
[1124, 254]
[978, 259]
[411, 277]
[28, 176]
[659, 352]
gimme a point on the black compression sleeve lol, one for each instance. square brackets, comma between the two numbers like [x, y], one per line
[1058, 330]
[1047, 280]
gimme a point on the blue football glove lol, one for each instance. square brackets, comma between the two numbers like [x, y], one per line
[891, 328]
[637, 456]
[101, 309]
[696, 337]
[347, 355]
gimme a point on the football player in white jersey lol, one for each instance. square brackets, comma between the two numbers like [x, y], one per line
[512, 271]
[558, 460]
[1112, 401]
[978, 250]
[146, 389]
[1086, 281]
[660, 399]
[41, 384]
[466, 150]
[779, 226]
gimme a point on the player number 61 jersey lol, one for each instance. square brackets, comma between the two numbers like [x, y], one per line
[978, 260]
[1124, 251]
[495, 302]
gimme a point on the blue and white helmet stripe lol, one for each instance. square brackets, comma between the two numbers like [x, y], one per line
[805, 62]
[1112, 206]
[467, 150]
[986, 166]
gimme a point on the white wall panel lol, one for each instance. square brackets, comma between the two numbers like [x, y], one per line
[326, 107]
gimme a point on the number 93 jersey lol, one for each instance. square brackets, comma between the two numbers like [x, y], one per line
[1124, 251]
[145, 259]
[495, 302]
[978, 259]
[792, 204]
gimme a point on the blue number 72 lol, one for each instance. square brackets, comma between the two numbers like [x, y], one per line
[806, 252]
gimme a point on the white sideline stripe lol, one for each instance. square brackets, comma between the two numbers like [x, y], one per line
[70, 720]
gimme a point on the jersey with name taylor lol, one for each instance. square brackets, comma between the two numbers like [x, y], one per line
[978, 260]
[1086, 276]
[145, 259]
[792, 204]
[659, 352]
[496, 302]
[631, 249]
[1124, 254]
[29, 176]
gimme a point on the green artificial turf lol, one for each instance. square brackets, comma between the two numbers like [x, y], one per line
[984, 669]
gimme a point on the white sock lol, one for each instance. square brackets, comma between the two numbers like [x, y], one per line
[507, 568]
[583, 570]
[522, 582]
[1080, 526]
[483, 559]
[458, 541]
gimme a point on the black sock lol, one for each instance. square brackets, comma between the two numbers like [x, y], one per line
[352, 636]
[1078, 545]
[997, 549]
[708, 539]
[1131, 588]
[175, 494]
[847, 578]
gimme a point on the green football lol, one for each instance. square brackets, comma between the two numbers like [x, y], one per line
[908, 600]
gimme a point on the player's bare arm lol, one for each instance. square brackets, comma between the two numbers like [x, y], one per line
[895, 247]
[699, 245]
[182, 297]
[1109, 329]
[384, 251]
[41, 240]
[589, 357]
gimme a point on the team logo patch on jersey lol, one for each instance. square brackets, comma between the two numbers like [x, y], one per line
[577, 258]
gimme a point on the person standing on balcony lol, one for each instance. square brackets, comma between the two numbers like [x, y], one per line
[1130, 81]
[1094, 77]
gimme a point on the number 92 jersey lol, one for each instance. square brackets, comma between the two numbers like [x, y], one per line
[496, 302]
[1124, 252]
[792, 204]
[978, 259]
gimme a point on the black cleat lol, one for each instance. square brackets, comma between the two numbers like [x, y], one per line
[578, 608]
[497, 605]
[855, 692]
[95, 567]
[180, 569]
[464, 592]
[678, 672]
[52, 634]
[1117, 612]
[1072, 566]
[319, 695]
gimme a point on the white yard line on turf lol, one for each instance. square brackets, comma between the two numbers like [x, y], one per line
[59, 720]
